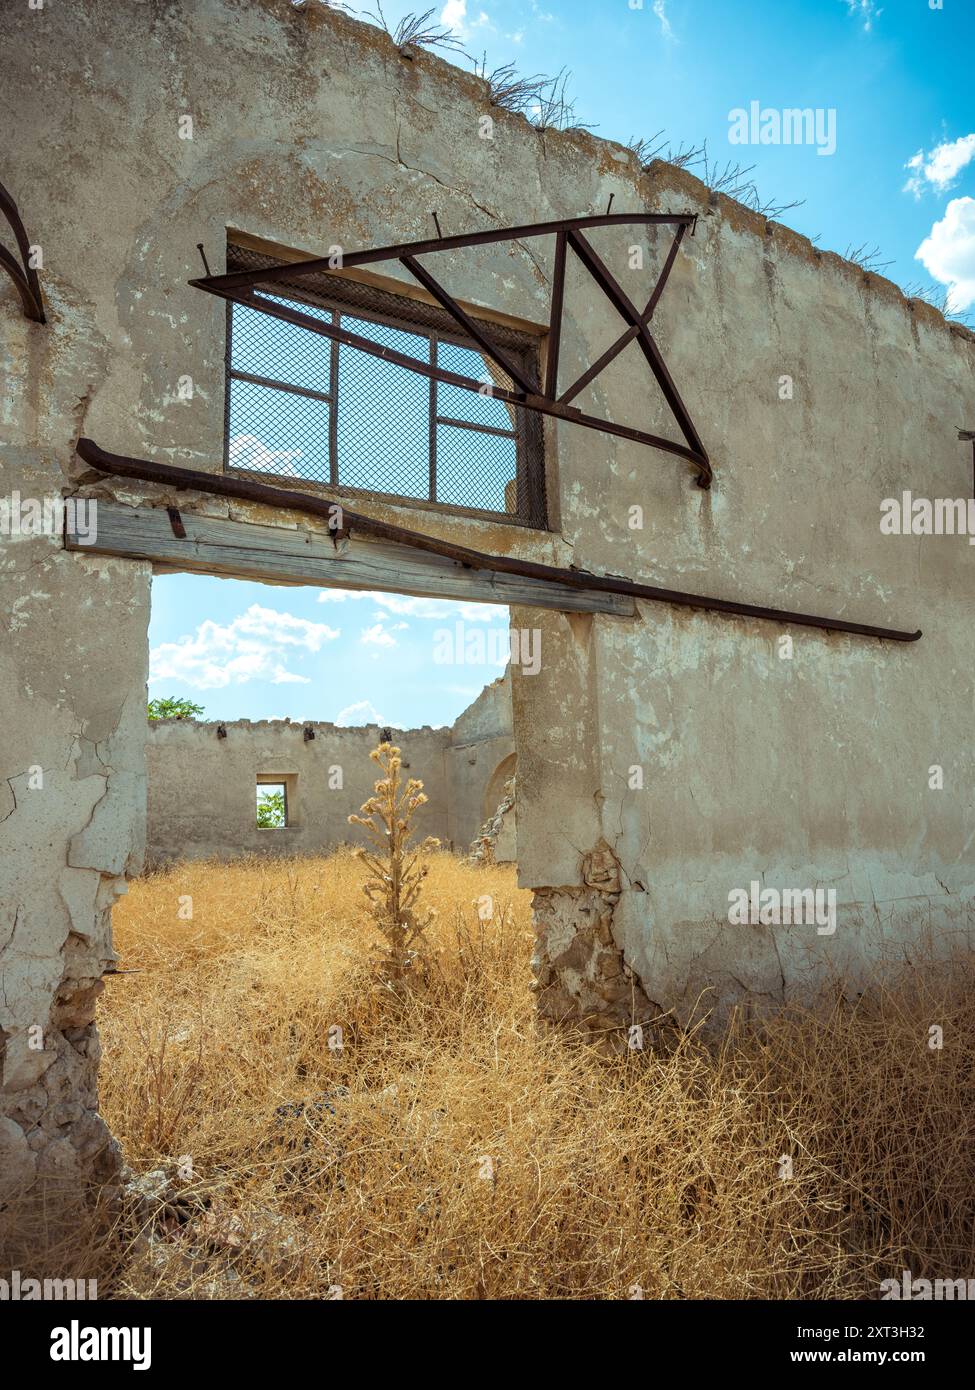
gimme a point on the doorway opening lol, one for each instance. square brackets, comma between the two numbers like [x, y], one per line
[282, 694]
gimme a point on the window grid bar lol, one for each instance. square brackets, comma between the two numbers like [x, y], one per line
[333, 414]
[228, 360]
[432, 428]
[524, 481]
[473, 425]
[274, 385]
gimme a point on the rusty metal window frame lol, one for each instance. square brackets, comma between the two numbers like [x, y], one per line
[338, 295]
[526, 391]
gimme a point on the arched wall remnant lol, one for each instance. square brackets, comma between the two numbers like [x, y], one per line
[496, 783]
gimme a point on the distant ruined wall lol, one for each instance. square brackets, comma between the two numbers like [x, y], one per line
[202, 787]
[664, 759]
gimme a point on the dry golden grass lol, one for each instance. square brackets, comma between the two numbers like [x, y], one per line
[471, 1154]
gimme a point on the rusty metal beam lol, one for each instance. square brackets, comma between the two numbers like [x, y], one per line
[664, 275]
[225, 485]
[627, 337]
[554, 344]
[237, 279]
[627, 310]
[23, 274]
[470, 326]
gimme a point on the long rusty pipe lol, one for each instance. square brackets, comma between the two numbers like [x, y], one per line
[227, 485]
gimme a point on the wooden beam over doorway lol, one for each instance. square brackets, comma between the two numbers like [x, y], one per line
[282, 555]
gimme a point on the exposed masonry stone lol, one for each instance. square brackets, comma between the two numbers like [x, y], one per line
[495, 842]
[581, 977]
[52, 1127]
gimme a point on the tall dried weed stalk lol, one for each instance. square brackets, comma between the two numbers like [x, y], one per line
[396, 872]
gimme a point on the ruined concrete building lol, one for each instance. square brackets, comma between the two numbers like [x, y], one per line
[204, 779]
[757, 400]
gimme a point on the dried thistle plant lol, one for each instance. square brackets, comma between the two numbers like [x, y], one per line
[396, 872]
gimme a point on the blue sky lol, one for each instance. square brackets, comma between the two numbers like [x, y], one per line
[894, 72]
[901, 179]
[256, 651]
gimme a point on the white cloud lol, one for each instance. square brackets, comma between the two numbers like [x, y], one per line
[340, 595]
[941, 166]
[440, 608]
[247, 451]
[454, 13]
[660, 10]
[379, 635]
[362, 712]
[948, 252]
[405, 606]
[454, 16]
[947, 161]
[865, 10]
[915, 183]
[254, 646]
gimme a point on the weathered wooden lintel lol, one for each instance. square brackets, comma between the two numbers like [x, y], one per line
[281, 555]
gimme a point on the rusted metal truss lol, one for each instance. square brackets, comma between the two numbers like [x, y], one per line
[251, 288]
[227, 485]
[21, 272]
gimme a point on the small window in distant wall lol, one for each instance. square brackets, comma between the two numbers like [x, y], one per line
[303, 406]
[272, 805]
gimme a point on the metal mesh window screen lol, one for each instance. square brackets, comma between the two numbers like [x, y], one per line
[300, 405]
[384, 420]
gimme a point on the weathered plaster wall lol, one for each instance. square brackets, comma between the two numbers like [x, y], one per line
[202, 787]
[809, 771]
[72, 781]
[311, 130]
